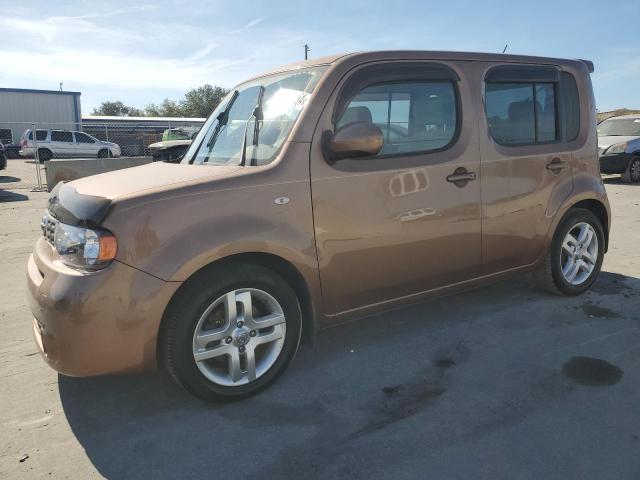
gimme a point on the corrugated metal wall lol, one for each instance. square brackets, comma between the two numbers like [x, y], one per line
[18, 109]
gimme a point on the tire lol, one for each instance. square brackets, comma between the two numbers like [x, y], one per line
[104, 153]
[549, 276]
[204, 298]
[632, 174]
[44, 155]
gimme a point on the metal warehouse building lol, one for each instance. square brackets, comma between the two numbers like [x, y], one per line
[19, 108]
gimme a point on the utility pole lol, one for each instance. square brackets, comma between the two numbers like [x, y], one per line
[306, 51]
[60, 86]
[505, 48]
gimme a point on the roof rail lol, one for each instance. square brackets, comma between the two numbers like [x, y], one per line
[589, 64]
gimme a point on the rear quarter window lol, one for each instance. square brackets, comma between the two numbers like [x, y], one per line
[571, 103]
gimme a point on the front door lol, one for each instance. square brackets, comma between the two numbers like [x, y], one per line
[526, 160]
[408, 219]
[86, 145]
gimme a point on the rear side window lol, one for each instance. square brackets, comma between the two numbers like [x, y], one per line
[414, 116]
[521, 113]
[58, 136]
[41, 135]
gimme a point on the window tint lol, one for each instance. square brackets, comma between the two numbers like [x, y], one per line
[571, 102]
[521, 113]
[83, 138]
[41, 135]
[413, 116]
[510, 113]
[59, 136]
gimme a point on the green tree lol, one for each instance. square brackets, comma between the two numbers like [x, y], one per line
[117, 109]
[201, 101]
[197, 102]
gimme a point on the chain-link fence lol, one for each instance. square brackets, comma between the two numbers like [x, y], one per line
[94, 137]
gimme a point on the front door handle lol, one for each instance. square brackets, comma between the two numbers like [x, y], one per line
[556, 165]
[461, 176]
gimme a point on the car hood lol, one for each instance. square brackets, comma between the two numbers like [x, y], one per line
[128, 181]
[607, 141]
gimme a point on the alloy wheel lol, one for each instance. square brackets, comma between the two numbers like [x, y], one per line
[239, 337]
[579, 253]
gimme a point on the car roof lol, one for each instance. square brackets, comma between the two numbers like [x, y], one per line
[426, 55]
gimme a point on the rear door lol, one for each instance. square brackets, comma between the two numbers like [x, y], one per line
[398, 223]
[62, 144]
[526, 160]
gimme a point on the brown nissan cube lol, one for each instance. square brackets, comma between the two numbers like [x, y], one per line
[317, 193]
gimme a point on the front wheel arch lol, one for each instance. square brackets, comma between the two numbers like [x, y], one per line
[282, 267]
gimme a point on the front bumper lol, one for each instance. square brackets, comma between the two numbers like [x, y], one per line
[95, 323]
[616, 163]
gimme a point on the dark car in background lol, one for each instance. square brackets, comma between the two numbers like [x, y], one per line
[619, 147]
[3, 158]
[11, 150]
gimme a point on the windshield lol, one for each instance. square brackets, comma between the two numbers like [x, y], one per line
[257, 116]
[620, 127]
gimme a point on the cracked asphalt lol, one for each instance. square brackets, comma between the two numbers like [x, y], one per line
[501, 382]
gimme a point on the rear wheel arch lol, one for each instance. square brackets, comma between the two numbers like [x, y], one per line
[600, 211]
[276, 264]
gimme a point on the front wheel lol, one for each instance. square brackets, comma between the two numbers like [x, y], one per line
[230, 332]
[575, 256]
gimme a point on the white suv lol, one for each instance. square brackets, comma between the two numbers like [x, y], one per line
[66, 144]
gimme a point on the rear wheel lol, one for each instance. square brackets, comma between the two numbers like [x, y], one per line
[44, 155]
[575, 256]
[632, 175]
[230, 332]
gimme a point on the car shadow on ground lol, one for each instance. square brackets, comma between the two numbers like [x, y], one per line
[9, 179]
[7, 196]
[371, 393]
[617, 180]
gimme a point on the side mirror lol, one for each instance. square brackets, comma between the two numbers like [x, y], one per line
[360, 139]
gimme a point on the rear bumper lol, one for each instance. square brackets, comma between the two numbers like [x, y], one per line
[614, 164]
[95, 323]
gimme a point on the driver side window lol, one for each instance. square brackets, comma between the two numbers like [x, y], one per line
[416, 116]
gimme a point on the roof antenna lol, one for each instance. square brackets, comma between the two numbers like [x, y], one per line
[306, 51]
[505, 48]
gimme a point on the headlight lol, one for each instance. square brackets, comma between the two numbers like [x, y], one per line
[84, 248]
[618, 148]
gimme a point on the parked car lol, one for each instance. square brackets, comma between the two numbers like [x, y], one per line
[169, 151]
[3, 158]
[66, 144]
[619, 147]
[11, 150]
[175, 142]
[315, 194]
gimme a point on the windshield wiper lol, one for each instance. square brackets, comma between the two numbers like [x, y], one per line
[257, 117]
[223, 118]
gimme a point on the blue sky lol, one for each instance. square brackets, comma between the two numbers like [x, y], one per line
[141, 52]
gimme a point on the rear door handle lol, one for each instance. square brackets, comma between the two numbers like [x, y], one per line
[556, 165]
[461, 176]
